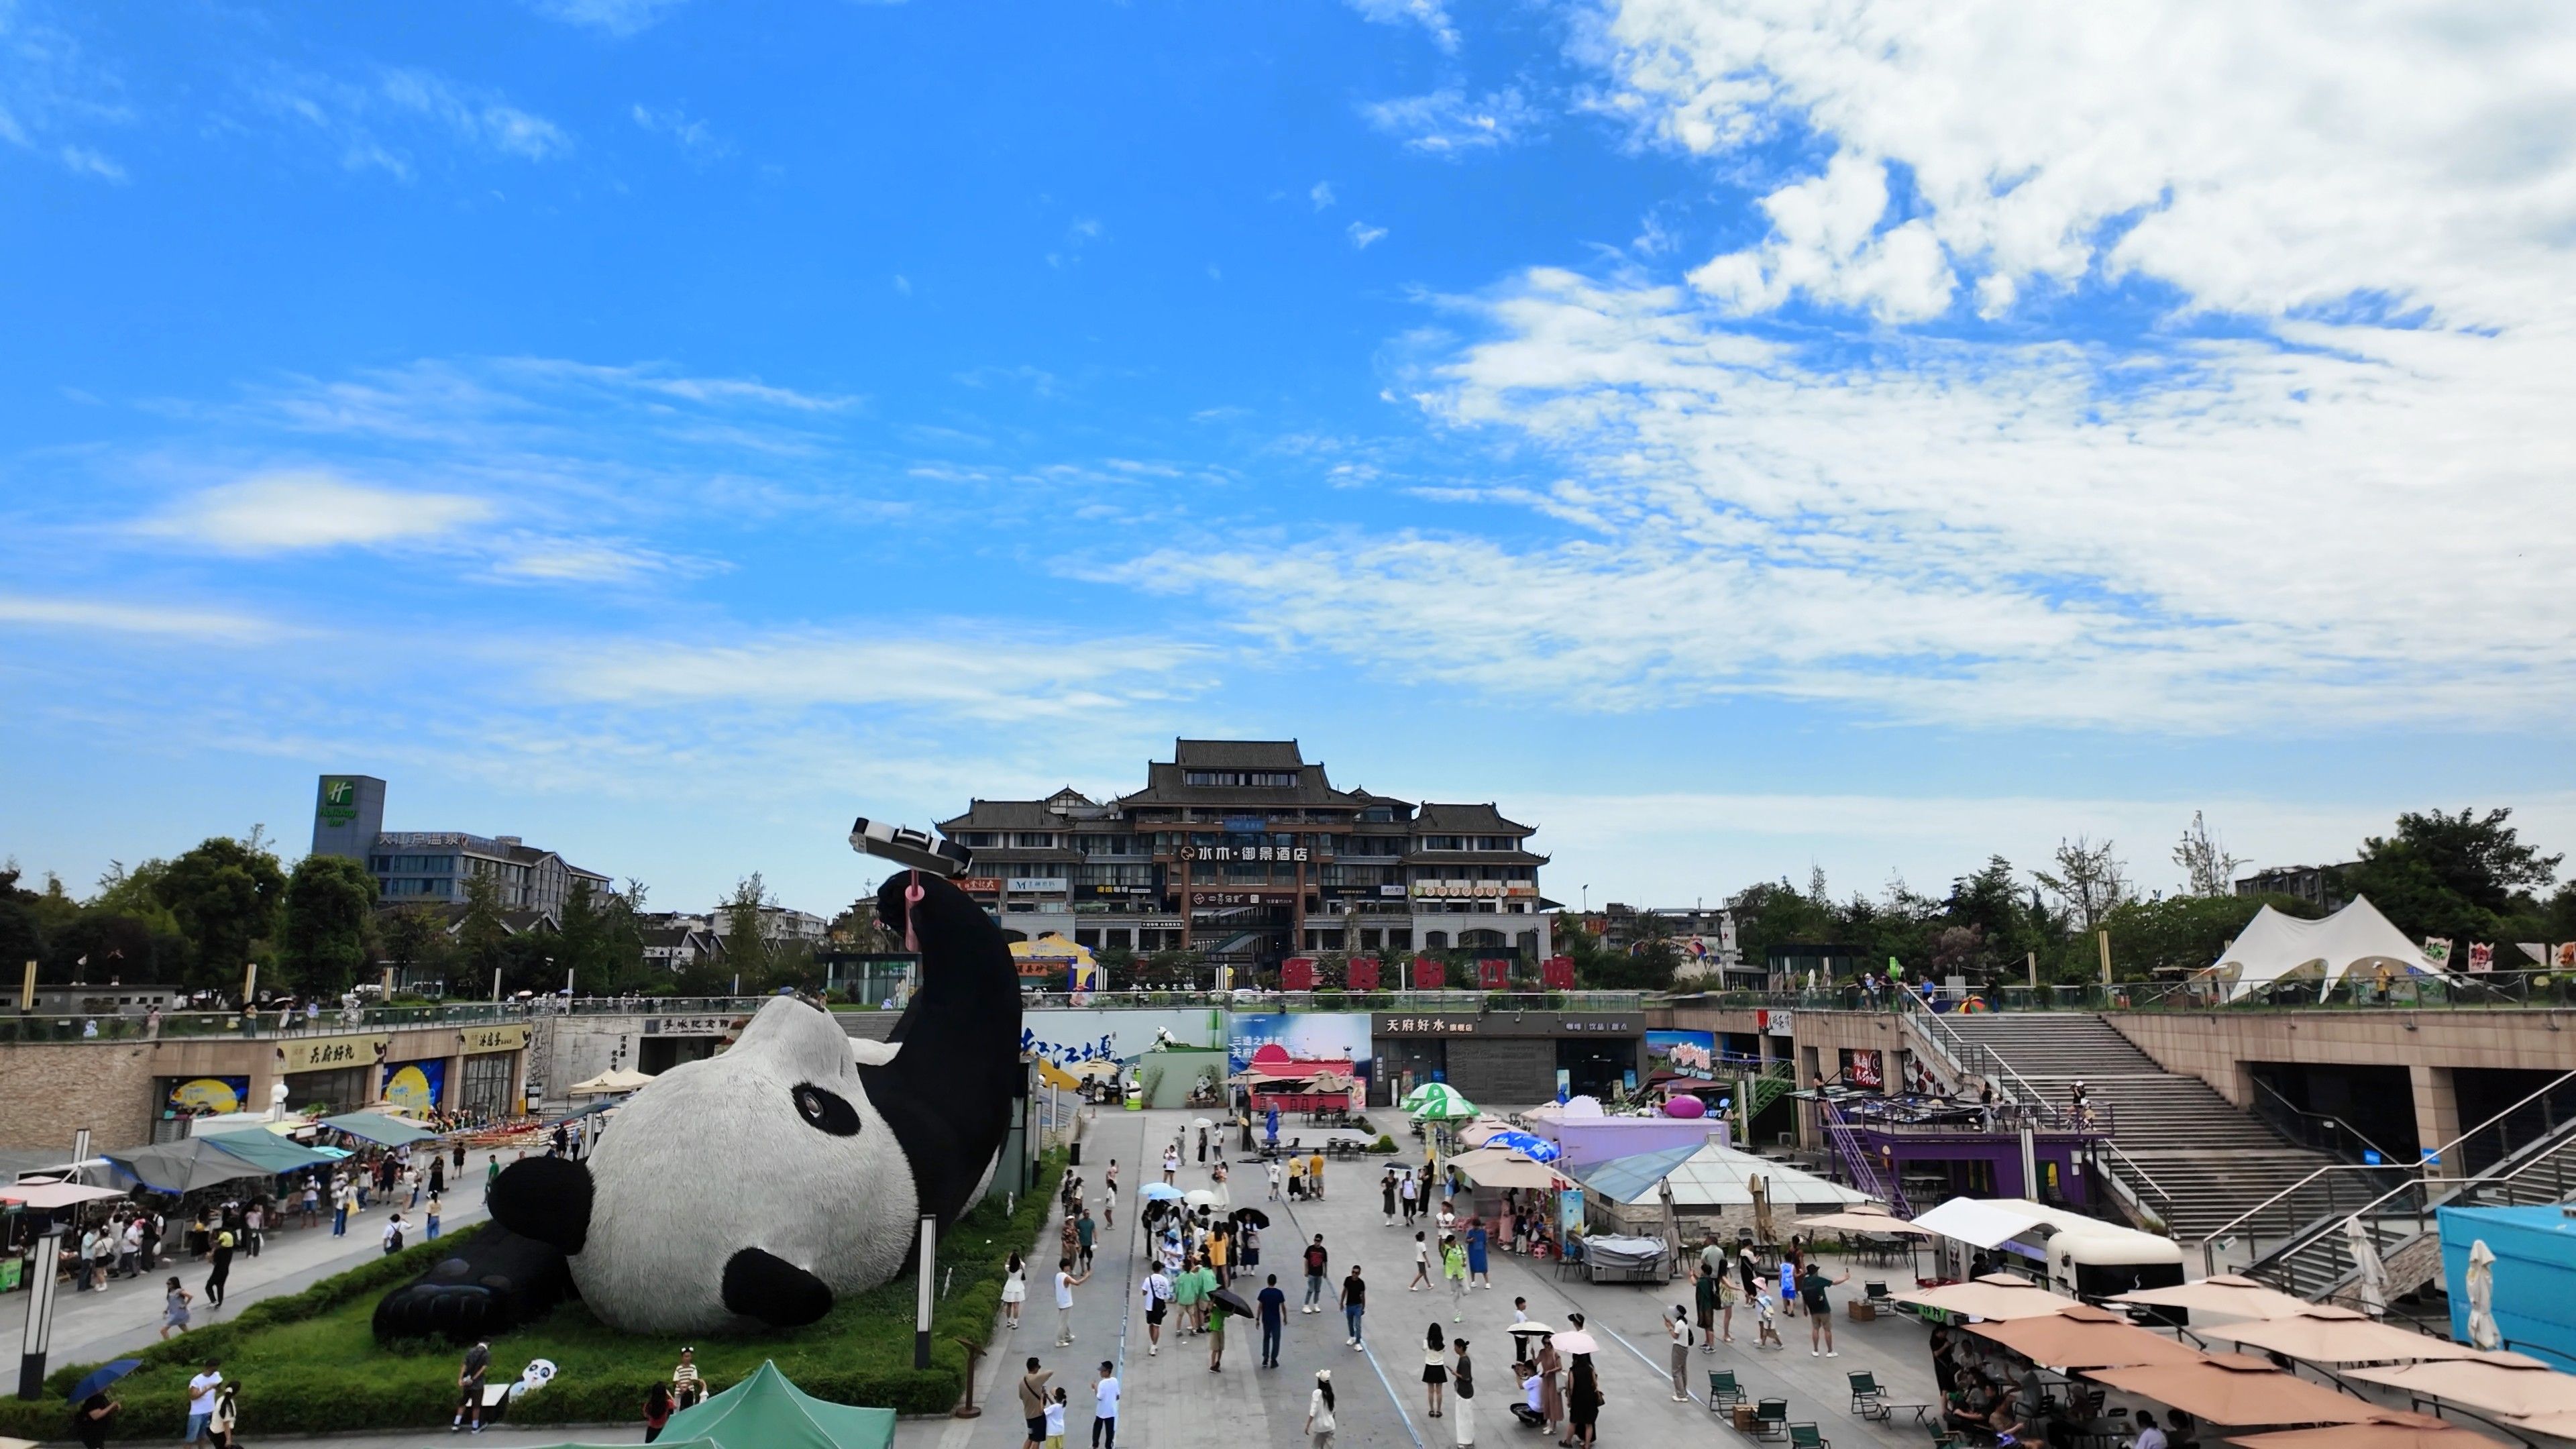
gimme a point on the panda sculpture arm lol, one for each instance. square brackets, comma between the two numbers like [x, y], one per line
[757, 1186]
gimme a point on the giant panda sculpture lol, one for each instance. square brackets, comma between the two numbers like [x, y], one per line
[754, 1188]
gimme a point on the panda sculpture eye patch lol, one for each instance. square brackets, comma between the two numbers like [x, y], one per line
[826, 1110]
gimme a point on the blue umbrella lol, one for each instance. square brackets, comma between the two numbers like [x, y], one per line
[1535, 1148]
[1160, 1192]
[104, 1375]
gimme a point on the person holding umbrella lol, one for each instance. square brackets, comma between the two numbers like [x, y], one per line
[91, 1420]
[1222, 1304]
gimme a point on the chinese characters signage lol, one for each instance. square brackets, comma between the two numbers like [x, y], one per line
[1243, 852]
[481, 1039]
[330, 1053]
[1514, 1024]
[687, 1025]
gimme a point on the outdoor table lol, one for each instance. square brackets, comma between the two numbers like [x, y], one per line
[1922, 1412]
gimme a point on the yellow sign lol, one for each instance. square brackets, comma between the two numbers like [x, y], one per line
[331, 1053]
[481, 1039]
[1055, 1076]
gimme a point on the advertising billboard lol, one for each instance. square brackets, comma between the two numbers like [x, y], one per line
[1683, 1053]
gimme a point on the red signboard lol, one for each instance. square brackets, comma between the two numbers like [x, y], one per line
[979, 884]
[1362, 973]
[1861, 1069]
[1494, 975]
[1429, 975]
[1556, 973]
[1297, 973]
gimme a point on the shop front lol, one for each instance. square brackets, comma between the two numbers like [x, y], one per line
[180, 1099]
[331, 1074]
[488, 1071]
[1510, 1059]
[670, 1040]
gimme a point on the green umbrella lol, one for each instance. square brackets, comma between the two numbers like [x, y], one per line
[1438, 1102]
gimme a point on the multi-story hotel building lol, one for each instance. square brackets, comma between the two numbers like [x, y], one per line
[1247, 853]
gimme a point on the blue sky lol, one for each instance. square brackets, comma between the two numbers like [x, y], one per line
[1733, 436]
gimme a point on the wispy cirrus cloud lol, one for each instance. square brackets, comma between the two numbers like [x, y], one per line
[1431, 15]
[388, 120]
[1363, 236]
[1448, 122]
[55, 97]
[620, 18]
[290, 511]
[194, 623]
[691, 134]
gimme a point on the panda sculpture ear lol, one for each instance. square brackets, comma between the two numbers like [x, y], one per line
[545, 1198]
[947, 1092]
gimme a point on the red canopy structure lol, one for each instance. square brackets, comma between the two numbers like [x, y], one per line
[1276, 1078]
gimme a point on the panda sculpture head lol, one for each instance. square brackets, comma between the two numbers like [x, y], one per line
[754, 1187]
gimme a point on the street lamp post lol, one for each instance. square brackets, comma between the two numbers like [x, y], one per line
[43, 1258]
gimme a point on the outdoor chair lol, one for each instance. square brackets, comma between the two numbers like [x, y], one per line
[1723, 1392]
[1866, 1398]
[1808, 1436]
[1945, 1439]
[1876, 1295]
[1770, 1418]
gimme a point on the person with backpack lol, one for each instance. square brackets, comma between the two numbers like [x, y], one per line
[394, 1228]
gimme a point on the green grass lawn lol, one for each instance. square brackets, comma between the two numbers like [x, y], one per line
[309, 1362]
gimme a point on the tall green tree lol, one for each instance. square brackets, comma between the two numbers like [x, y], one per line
[22, 932]
[414, 938]
[225, 896]
[330, 916]
[2459, 876]
[747, 948]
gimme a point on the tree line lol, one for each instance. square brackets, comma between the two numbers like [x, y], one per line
[198, 920]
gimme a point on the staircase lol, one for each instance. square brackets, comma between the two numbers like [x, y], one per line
[2202, 1160]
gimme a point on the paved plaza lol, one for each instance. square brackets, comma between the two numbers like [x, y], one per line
[1172, 1401]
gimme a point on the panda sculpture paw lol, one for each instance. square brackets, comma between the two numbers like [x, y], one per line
[494, 1282]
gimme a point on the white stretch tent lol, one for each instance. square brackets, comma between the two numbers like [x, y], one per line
[2274, 947]
[1992, 1222]
[1714, 1177]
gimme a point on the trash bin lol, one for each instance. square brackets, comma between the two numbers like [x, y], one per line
[1076, 1159]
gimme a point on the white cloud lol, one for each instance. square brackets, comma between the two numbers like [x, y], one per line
[378, 124]
[2261, 161]
[955, 671]
[692, 134]
[1825, 241]
[281, 512]
[1363, 235]
[617, 17]
[1431, 15]
[1449, 122]
[168, 621]
[90, 162]
[1321, 193]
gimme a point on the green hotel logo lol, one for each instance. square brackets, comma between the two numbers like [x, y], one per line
[339, 800]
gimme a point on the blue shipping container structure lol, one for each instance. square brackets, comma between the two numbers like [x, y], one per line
[2535, 1276]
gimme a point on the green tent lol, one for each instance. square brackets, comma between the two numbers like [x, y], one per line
[267, 1150]
[1438, 1102]
[765, 1411]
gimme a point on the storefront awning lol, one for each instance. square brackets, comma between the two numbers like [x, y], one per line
[379, 1129]
[268, 1152]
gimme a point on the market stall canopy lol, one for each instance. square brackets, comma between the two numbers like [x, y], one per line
[1867, 1217]
[181, 1167]
[2084, 1337]
[2220, 1293]
[2493, 1383]
[1998, 1296]
[2322, 1333]
[1990, 1222]
[615, 1079]
[1102, 1068]
[1475, 1133]
[2391, 1430]
[380, 1128]
[765, 1411]
[269, 1153]
[2229, 1389]
[248, 1122]
[45, 1197]
[2274, 947]
[1440, 1102]
[1713, 1176]
[1493, 1167]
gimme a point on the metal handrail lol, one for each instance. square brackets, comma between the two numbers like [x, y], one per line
[2442, 1152]
[2387, 1157]
[2143, 1175]
[2544, 1152]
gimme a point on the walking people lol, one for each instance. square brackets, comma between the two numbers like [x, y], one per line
[1316, 1260]
[1453, 1268]
[1015, 1288]
[1171, 1163]
[1410, 1191]
[1582, 1401]
[1354, 1305]
[1104, 1408]
[1551, 1390]
[223, 1269]
[1158, 1303]
[1820, 1310]
[1319, 1412]
[1421, 1264]
[1187, 1293]
[1274, 1320]
[1055, 1421]
[1707, 1290]
[174, 1308]
[1315, 1175]
[394, 1227]
[430, 1232]
[1386, 1190]
[1065, 1283]
[1083, 1229]
[1214, 1324]
[1435, 1367]
[201, 1399]
[1476, 1244]
[1462, 1391]
[1033, 1401]
[1678, 1329]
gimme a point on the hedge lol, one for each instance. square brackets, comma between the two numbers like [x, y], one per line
[308, 1362]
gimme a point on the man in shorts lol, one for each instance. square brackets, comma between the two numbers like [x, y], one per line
[469, 1387]
[201, 1399]
[1158, 1302]
[1820, 1309]
[1033, 1401]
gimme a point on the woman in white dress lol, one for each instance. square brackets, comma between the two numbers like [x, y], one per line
[1319, 1412]
[1015, 1289]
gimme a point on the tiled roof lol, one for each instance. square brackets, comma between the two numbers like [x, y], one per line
[1004, 815]
[1237, 755]
[1437, 819]
[1467, 857]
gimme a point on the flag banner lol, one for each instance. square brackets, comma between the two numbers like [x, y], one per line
[2437, 949]
[2482, 956]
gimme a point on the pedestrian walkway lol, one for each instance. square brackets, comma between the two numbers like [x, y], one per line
[126, 1315]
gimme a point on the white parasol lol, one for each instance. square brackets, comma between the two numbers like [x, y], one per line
[2372, 1280]
[2482, 1324]
[1576, 1341]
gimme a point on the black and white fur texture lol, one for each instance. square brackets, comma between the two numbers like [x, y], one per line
[754, 1188]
